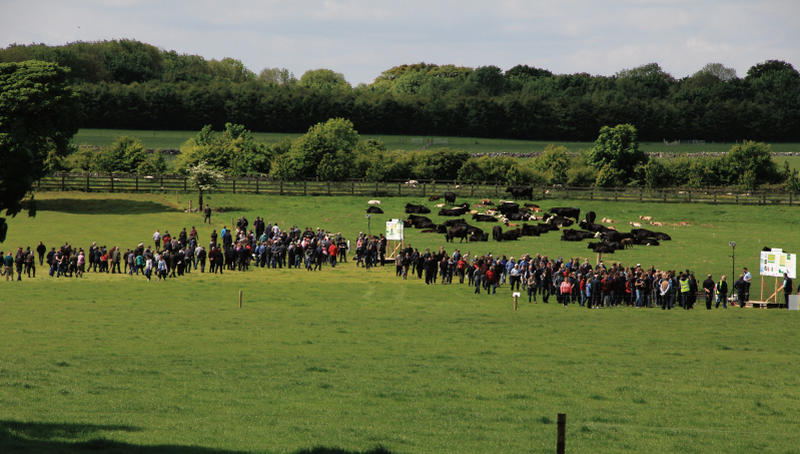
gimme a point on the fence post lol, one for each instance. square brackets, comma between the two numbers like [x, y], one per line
[162, 181]
[112, 181]
[615, 194]
[233, 185]
[715, 197]
[329, 188]
[562, 432]
[399, 190]
[423, 189]
[472, 190]
[664, 193]
[87, 181]
[376, 188]
[304, 188]
[62, 183]
[641, 194]
[352, 188]
[257, 178]
[790, 199]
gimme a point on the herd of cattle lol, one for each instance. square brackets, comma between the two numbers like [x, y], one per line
[606, 239]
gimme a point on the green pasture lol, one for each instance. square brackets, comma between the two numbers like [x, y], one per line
[355, 360]
[174, 139]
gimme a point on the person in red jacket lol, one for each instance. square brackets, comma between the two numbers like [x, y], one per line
[333, 250]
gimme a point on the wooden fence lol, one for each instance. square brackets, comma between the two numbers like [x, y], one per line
[90, 182]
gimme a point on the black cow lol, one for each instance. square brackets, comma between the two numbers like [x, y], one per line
[521, 192]
[463, 231]
[594, 227]
[545, 227]
[479, 237]
[604, 247]
[421, 222]
[590, 217]
[508, 207]
[660, 236]
[566, 212]
[529, 230]
[457, 231]
[417, 209]
[497, 233]
[457, 211]
[575, 235]
[374, 210]
[450, 197]
[646, 241]
[453, 222]
[559, 221]
[519, 216]
[483, 218]
[511, 235]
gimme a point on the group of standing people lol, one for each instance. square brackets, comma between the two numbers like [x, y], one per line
[574, 281]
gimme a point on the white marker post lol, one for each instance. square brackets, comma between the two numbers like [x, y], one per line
[516, 300]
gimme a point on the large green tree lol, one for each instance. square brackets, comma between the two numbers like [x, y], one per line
[37, 122]
[616, 155]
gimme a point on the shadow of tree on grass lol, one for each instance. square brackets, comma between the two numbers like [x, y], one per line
[33, 437]
[103, 206]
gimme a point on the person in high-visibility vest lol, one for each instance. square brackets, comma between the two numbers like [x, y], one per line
[684, 291]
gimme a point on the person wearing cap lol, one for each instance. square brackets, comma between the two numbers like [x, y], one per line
[708, 290]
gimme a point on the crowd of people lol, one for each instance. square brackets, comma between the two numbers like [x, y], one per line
[265, 245]
[576, 282]
[261, 245]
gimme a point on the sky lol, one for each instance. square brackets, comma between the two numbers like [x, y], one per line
[362, 38]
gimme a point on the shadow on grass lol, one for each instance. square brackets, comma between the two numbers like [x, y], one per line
[33, 437]
[103, 206]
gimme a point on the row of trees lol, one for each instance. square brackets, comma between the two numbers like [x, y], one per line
[334, 151]
[127, 84]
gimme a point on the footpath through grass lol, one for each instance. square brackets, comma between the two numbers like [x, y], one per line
[355, 359]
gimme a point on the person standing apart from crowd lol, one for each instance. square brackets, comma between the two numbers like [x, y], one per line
[41, 249]
[747, 278]
[8, 266]
[708, 290]
[722, 292]
[157, 239]
[787, 289]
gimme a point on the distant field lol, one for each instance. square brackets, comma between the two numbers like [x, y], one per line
[174, 139]
[356, 359]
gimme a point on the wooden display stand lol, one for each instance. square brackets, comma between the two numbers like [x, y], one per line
[771, 299]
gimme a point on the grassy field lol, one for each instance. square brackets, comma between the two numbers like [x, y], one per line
[174, 139]
[350, 359]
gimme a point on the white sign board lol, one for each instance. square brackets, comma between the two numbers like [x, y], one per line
[394, 230]
[775, 262]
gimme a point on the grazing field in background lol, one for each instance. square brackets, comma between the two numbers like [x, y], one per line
[358, 359]
[174, 139]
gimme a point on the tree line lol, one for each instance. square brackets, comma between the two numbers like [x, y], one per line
[334, 151]
[132, 85]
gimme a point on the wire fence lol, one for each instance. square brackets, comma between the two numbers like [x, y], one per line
[94, 182]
